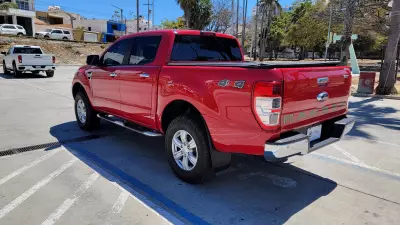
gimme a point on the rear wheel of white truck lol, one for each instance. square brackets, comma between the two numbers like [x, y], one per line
[84, 113]
[50, 73]
[187, 150]
[16, 73]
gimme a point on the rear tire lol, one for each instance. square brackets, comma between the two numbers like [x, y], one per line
[49, 73]
[187, 150]
[84, 113]
[20, 34]
[5, 70]
[16, 73]
[65, 38]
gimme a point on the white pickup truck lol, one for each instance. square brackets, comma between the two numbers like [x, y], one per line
[25, 58]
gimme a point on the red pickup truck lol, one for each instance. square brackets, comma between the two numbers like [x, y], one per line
[195, 88]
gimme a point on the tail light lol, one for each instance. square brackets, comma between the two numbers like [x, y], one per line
[267, 97]
[20, 58]
[54, 59]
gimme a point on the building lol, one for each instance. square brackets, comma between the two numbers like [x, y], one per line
[110, 30]
[144, 25]
[24, 15]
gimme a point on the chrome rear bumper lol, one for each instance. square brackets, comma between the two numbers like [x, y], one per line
[300, 144]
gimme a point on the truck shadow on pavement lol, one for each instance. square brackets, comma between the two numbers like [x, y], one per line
[368, 113]
[24, 76]
[251, 191]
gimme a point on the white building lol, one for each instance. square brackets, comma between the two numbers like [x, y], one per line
[24, 15]
[144, 25]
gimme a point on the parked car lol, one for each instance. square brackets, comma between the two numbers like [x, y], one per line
[194, 88]
[61, 34]
[12, 29]
[25, 58]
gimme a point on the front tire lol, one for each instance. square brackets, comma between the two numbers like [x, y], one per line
[5, 70]
[187, 150]
[49, 73]
[84, 113]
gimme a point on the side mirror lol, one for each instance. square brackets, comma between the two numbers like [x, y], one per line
[93, 60]
[4, 53]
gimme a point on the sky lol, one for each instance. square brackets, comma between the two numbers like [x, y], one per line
[103, 9]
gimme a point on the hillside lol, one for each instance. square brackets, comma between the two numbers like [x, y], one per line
[66, 52]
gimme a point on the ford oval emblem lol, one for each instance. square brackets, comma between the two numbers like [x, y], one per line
[322, 96]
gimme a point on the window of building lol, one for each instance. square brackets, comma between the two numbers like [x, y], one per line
[145, 28]
[144, 50]
[23, 4]
[115, 55]
[89, 28]
[140, 28]
[114, 26]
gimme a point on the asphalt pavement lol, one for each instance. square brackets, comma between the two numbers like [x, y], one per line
[62, 175]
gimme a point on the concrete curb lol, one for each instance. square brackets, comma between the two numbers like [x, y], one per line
[395, 97]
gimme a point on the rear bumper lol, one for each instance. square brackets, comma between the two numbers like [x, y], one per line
[36, 68]
[299, 143]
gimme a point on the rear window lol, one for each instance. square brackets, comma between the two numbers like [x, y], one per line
[27, 50]
[66, 32]
[19, 27]
[205, 48]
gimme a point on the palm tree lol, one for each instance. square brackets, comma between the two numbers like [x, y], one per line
[350, 6]
[387, 77]
[187, 6]
[269, 7]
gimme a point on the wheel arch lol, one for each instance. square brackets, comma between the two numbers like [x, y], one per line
[78, 87]
[178, 108]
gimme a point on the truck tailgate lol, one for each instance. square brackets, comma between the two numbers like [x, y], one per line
[37, 60]
[314, 94]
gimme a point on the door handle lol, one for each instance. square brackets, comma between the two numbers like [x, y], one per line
[113, 75]
[144, 75]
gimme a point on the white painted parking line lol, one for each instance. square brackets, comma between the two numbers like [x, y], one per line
[350, 156]
[381, 142]
[162, 213]
[71, 200]
[28, 166]
[20, 199]
[118, 205]
[356, 164]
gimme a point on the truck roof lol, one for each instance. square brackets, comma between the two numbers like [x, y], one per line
[26, 46]
[179, 32]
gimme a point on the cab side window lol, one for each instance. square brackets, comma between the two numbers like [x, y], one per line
[115, 54]
[144, 50]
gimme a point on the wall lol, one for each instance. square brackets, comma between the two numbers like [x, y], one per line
[95, 25]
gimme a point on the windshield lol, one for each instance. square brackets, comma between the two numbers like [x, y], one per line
[27, 50]
[48, 30]
[205, 48]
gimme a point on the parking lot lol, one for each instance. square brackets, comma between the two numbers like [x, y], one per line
[51, 172]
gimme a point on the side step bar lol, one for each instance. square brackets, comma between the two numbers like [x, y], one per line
[121, 123]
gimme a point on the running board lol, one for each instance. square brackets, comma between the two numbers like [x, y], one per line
[122, 123]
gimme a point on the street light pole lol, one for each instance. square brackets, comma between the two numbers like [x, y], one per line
[137, 16]
[329, 31]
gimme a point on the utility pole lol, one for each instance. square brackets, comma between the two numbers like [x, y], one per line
[148, 14]
[137, 16]
[152, 20]
[329, 31]
[255, 33]
[233, 17]
[122, 15]
[237, 19]
[244, 22]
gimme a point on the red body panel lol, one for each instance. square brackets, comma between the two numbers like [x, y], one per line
[227, 111]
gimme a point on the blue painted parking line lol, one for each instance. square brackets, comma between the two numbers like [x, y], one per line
[78, 150]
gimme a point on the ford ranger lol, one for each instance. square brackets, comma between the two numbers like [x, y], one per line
[195, 89]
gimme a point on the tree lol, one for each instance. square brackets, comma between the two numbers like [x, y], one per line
[197, 13]
[387, 77]
[179, 23]
[350, 10]
[268, 8]
[6, 6]
[221, 16]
